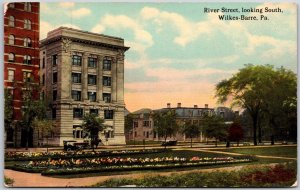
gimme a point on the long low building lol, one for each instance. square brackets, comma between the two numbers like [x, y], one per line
[143, 122]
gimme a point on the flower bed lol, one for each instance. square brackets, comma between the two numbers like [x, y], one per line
[27, 156]
[75, 166]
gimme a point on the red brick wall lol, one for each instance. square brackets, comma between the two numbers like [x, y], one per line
[19, 50]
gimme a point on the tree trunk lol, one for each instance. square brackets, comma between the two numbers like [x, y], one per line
[165, 142]
[259, 130]
[191, 142]
[216, 142]
[238, 142]
[254, 119]
[27, 139]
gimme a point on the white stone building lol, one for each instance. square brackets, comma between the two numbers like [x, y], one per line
[83, 72]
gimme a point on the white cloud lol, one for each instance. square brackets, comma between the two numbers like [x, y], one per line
[67, 4]
[123, 22]
[188, 31]
[46, 27]
[78, 13]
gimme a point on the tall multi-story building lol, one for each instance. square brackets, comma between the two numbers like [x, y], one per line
[21, 58]
[83, 72]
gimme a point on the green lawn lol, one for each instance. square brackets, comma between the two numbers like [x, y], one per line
[282, 151]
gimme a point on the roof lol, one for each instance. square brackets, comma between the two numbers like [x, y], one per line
[142, 111]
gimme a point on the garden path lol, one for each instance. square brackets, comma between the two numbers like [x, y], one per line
[23, 179]
[238, 154]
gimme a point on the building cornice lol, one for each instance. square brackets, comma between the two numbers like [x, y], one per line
[82, 41]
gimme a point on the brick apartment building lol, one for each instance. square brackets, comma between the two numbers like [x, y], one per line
[21, 58]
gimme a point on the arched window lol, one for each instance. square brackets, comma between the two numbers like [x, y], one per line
[11, 39]
[27, 6]
[27, 24]
[11, 57]
[11, 21]
[11, 5]
[27, 59]
[27, 42]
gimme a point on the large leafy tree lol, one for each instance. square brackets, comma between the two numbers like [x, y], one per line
[253, 88]
[33, 108]
[128, 123]
[215, 127]
[93, 125]
[165, 123]
[191, 131]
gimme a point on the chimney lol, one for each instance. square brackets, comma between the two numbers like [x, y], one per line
[195, 106]
[206, 105]
[179, 105]
[168, 105]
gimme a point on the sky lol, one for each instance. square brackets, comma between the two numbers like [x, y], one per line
[177, 52]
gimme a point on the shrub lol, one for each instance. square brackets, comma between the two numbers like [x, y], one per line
[8, 181]
[283, 175]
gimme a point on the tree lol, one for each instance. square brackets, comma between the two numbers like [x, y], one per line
[214, 127]
[191, 131]
[235, 132]
[165, 123]
[8, 112]
[252, 88]
[33, 108]
[93, 125]
[44, 126]
[128, 123]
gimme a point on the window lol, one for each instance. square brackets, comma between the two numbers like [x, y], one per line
[92, 79]
[54, 95]
[76, 95]
[92, 96]
[106, 81]
[147, 134]
[53, 113]
[27, 42]
[27, 59]
[106, 64]
[54, 60]
[11, 75]
[135, 124]
[76, 77]
[42, 95]
[11, 39]
[108, 114]
[11, 21]
[77, 132]
[106, 97]
[26, 76]
[54, 78]
[27, 6]
[94, 111]
[135, 134]
[154, 134]
[11, 5]
[27, 24]
[43, 79]
[146, 123]
[77, 113]
[76, 60]
[11, 57]
[92, 62]
[43, 63]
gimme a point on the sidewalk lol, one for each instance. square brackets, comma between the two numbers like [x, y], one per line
[23, 179]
